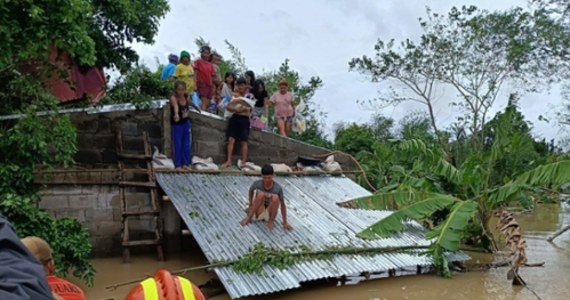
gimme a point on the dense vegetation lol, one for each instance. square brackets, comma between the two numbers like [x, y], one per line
[454, 179]
[95, 34]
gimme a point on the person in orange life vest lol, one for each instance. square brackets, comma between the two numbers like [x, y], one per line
[165, 286]
[43, 253]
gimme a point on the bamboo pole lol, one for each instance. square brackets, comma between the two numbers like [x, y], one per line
[342, 251]
[252, 173]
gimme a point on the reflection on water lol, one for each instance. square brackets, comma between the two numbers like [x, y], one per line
[551, 282]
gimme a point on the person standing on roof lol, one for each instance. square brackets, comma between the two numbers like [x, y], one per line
[168, 70]
[284, 108]
[184, 72]
[227, 91]
[216, 59]
[204, 72]
[180, 125]
[43, 253]
[238, 111]
[265, 198]
[261, 99]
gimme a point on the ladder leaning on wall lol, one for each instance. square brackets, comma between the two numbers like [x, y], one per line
[128, 181]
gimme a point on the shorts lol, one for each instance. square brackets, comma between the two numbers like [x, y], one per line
[238, 128]
[264, 216]
[205, 90]
[285, 119]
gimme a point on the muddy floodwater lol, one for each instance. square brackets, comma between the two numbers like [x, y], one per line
[551, 282]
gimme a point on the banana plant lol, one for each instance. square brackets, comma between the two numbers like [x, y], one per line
[471, 201]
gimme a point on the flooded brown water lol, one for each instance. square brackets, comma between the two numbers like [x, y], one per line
[552, 282]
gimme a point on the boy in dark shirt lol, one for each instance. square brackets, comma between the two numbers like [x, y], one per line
[265, 197]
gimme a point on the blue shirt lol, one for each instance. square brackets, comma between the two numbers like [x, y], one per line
[168, 71]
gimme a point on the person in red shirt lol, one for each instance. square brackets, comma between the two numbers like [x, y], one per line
[59, 286]
[204, 73]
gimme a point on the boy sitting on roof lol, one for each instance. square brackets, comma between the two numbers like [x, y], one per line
[265, 197]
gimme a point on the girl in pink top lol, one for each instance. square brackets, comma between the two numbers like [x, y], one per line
[284, 108]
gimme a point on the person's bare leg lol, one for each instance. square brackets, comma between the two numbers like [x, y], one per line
[255, 207]
[204, 102]
[288, 126]
[281, 127]
[244, 149]
[230, 151]
[273, 209]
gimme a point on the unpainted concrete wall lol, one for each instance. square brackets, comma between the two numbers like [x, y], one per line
[96, 134]
[93, 200]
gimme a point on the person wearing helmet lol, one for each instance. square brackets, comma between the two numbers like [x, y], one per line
[165, 286]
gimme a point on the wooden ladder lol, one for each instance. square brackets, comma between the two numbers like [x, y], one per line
[126, 182]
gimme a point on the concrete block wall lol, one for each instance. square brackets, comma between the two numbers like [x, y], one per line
[98, 208]
[209, 139]
[96, 139]
[97, 205]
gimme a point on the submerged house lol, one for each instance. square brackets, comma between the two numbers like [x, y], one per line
[211, 204]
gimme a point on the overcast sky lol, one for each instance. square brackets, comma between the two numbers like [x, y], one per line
[320, 37]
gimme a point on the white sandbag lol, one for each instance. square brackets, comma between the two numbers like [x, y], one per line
[198, 159]
[313, 169]
[161, 161]
[205, 167]
[281, 168]
[204, 164]
[248, 167]
[330, 165]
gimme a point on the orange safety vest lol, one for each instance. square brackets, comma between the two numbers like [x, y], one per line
[165, 286]
[65, 289]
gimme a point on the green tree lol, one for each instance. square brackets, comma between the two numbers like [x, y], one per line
[354, 138]
[139, 86]
[474, 52]
[417, 126]
[521, 152]
[94, 33]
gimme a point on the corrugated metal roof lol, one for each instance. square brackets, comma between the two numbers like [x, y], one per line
[213, 205]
